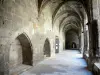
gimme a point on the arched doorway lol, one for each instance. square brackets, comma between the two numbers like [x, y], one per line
[26, 49]
[21, 51]
[56, 44]
[71, 40]
[74, 45]
[47, 49]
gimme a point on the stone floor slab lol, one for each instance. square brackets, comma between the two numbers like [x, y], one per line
[69, 62]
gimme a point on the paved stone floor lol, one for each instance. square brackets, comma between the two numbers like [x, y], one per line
[69, 62]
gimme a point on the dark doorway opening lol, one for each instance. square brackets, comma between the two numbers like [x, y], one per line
[26, 49]
[56, 44]
[71, 40]
[67, 45]
[74, 45]
[47, 48]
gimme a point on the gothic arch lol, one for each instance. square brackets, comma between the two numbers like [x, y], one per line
[21, 51]
[47, 49]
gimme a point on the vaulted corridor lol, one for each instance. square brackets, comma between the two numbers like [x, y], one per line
[49, 37]
[69, 62]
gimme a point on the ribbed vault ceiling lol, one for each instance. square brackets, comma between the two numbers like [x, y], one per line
[66, 14]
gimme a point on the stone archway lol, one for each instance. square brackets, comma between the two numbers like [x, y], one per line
[47, 50]
[21, 51]
[26, 49]
[71, 40]
[73, 45]
[56, 44]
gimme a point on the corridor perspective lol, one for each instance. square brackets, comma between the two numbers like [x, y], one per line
[49, 37]
[69, 62]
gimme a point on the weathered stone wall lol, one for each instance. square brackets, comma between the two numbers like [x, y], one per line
[15, 54]
[22, 16]
[17, 17]
[96, 16]
[14, 20]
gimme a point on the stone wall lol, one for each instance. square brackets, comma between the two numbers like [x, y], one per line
[22, 17]
[17, 17]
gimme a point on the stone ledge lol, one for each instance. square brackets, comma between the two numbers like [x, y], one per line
[96, 68]
[87, 55]
[20, 69]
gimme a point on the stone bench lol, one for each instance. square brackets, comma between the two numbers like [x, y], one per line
[19, 69]
[96, 69]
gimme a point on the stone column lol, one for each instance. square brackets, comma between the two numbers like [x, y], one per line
[79, 42]
[99, 38]
[82, 42]
[85, 40]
